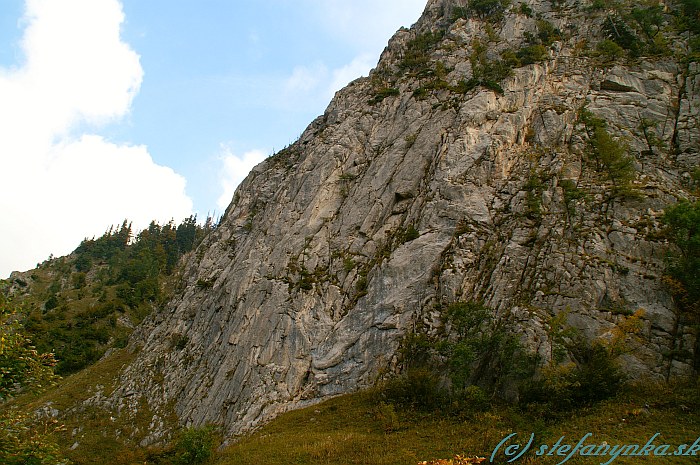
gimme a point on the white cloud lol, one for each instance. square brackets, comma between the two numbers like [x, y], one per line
[318, 83]
[58, 185]
[306, 78]
[76, 67]
[234, 169]
[367, 26]
[367, 23]
[359, 66]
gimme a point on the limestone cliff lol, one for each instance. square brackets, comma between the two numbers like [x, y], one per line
[461, 169]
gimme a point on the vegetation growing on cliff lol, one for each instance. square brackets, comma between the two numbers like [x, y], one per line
[683, 279]
[477, 359]
[23, 369]
[80, 305]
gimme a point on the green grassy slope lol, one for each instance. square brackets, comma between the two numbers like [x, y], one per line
[356, 430]
[361, 429]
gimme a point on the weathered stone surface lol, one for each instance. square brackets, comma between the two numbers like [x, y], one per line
[308, 284]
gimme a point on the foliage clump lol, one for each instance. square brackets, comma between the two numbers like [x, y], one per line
[610, 154]
[641, 30]
[21, 364]
[486, 72]
[609, 51]
[195, 446]
[546, 35]
[416, 58]
[531, 54]
[537, 45]
[688, 17]
[106, 279]
[409, 233]
[683, 273]
[534, 187]
[593, 376]
[491, 9]
[476, 358]
[383, 93]
[683, 227]
[23, 440]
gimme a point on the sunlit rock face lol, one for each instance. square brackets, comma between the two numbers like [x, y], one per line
[416, 189]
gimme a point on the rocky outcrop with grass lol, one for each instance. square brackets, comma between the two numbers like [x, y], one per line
[518, 155]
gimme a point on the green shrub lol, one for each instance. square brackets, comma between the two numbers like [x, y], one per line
[194, 446]
[348, 264]
[547, 34]
[476, 358]
[617, 30]
[525, 9]
[306, 279]
[24, 438]
[417, 388]
[416, 350]
[510, 58]
[598, 375]
[121, 341]
[361, 284]
[689, 17]
[534, 188]
[485, 72]
[592, 377]
[470, 399]
[383, 93]
[649, 20]
[683, 267]
[532, 54]
[79, 280]
[610, 154]
[205, 283]
[613, 156]
[483, 353]
[386, 414]
[571, 191]
[179, 341]
[83, 263]
[409, 234]
[52, 302]
[460, 12]
[610, 50]
[492, 9]
[416, 58]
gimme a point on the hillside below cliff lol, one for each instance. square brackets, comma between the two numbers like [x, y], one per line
[518, 155]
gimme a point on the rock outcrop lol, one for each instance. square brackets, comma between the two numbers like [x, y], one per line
[431, 182]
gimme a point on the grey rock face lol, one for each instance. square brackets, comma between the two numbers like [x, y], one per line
[307, 286]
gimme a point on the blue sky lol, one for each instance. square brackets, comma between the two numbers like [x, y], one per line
[156, 109]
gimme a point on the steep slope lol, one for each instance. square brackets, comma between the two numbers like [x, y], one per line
[462, 169]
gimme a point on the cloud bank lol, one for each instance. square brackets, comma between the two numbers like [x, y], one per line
[59, 181]
[366, 23]
[234, 169]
